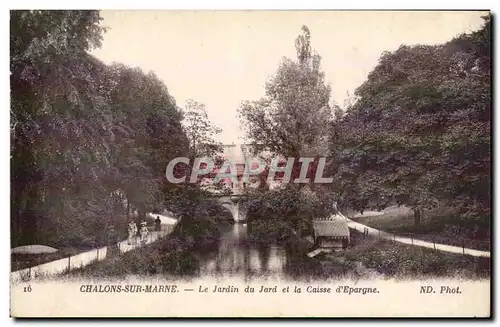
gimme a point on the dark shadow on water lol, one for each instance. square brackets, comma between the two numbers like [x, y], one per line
[264, 255]
[236, 256]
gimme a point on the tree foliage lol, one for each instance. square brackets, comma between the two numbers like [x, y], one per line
[419, 133]
[200, 130]
[292, 118]
[89, 142]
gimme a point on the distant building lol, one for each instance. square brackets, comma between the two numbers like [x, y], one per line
[239, 155]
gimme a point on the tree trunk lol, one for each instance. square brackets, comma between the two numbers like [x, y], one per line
[29, 218]
[417, 216]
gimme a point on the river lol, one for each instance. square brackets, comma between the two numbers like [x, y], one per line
[236, 255]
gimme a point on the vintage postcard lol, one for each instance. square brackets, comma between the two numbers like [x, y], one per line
[250, 163]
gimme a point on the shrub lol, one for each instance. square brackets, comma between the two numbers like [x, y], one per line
[292, 205]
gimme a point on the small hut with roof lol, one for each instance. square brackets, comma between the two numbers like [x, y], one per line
[331, 232]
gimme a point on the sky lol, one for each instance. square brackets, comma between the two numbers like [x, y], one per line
[221, 58]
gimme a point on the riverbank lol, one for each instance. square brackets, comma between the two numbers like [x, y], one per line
[368, 257]
[371, 256]
[202, 251]
[175, 254]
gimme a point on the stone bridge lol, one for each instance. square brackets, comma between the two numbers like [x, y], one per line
[232, 203]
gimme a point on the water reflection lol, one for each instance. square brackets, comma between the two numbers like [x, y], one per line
[236, 255]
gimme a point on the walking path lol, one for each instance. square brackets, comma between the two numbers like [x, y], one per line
[411, 241]
[83, 259]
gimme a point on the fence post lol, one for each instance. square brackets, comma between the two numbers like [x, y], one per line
[394, 237]
[463, 247]
[69, 263]
[97, 254]
[29, 272]
[434, 241]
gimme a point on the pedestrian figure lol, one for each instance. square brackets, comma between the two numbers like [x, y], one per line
[158, 223]
[132, 232]
[138, 224]
[144, 232]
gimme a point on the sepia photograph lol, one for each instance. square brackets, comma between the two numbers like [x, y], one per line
[253, 163]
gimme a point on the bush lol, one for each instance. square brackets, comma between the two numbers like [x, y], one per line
[292, 206]
[269, 230]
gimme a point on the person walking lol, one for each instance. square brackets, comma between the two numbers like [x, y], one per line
[157, 224]
[132, 232]
[143, 232]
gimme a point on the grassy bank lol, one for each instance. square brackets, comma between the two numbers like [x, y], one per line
[442, 225]
[178, 253]
[405, 261]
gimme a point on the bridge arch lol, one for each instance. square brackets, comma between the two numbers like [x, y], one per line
[233, 205]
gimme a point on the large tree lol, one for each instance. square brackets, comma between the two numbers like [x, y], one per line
[420, 130]
[54, 135]
[148, 134]
[292, 118]
[85, 137]
[200, 130]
